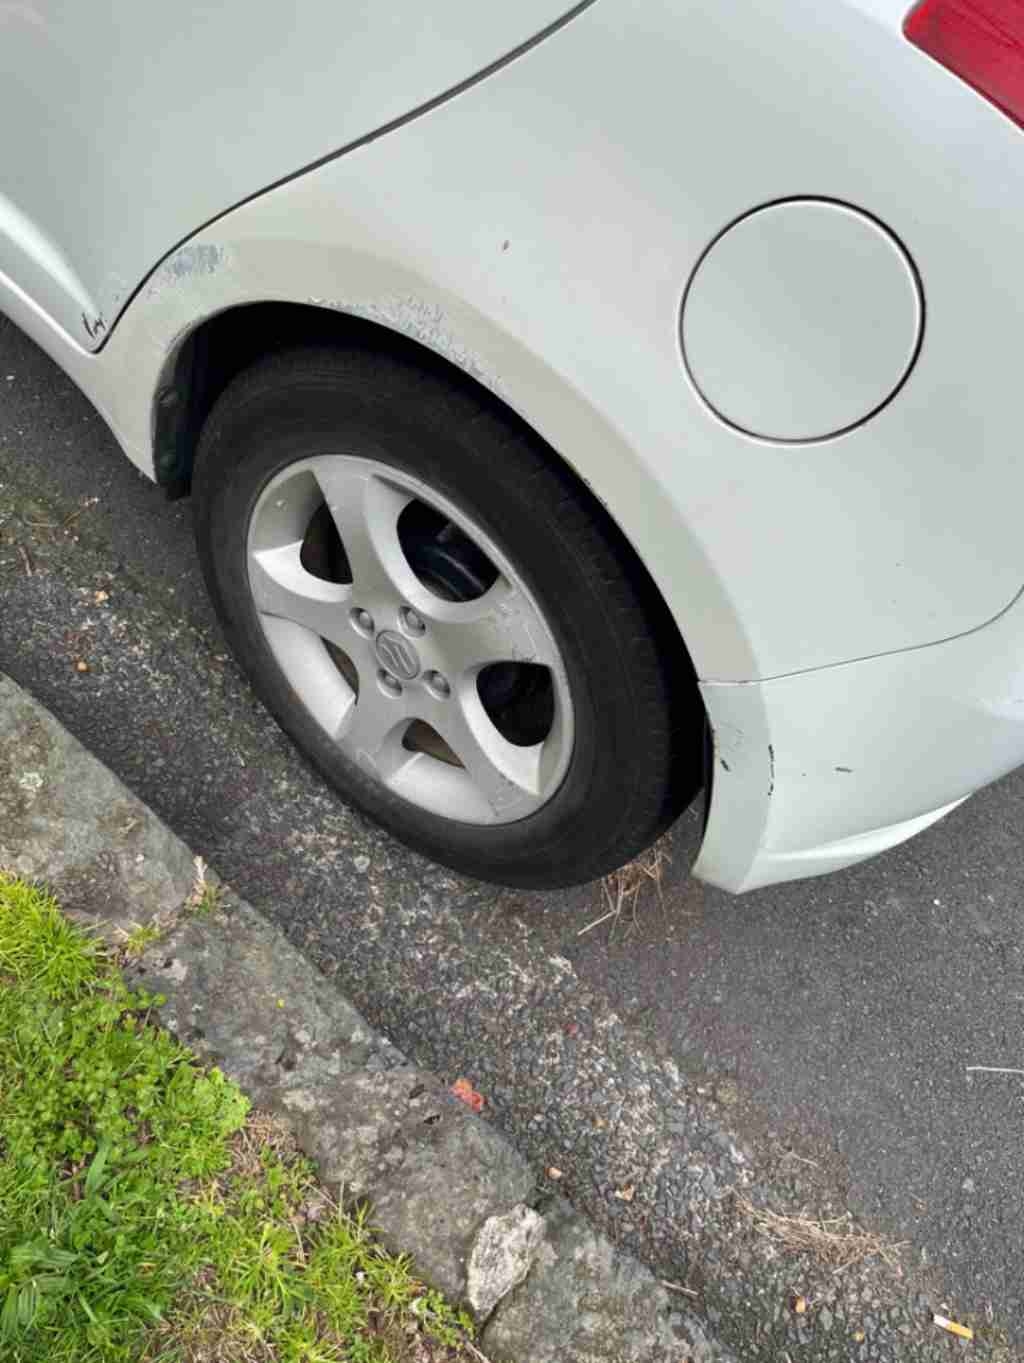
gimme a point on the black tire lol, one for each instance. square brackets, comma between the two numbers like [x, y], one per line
[637, 755]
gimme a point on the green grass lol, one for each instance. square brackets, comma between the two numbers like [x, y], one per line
[38, 946]
[146, 1215]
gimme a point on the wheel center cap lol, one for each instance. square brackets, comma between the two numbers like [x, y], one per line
[397, 655]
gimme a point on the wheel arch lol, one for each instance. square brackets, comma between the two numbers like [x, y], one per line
[223, 345]
[205, 359]
[230, 297]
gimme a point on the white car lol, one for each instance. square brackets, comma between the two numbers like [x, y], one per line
[581, 406]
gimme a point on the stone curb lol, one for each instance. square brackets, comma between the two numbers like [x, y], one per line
[444, 1185]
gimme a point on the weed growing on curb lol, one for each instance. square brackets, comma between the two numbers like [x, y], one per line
[142, 935]
[207, 896]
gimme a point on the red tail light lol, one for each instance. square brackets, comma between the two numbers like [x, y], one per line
[981, 41]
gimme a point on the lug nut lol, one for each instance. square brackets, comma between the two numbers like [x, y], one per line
[390, 685]
[410, 621]
[439, 685]
[362, 620]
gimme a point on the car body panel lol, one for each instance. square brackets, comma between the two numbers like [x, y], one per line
[822, 769]
[774, 558]
[137, 123]
[539, 229]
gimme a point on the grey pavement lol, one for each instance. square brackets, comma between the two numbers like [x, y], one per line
[820, 1032]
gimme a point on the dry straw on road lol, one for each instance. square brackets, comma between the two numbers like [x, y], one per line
[834, 1241]
[622, 889]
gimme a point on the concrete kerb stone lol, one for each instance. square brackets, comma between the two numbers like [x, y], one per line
[444, 1186]
[66, 819]
[245, 1000]
[584, 1300]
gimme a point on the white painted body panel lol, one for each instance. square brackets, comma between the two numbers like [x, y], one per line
[539, 230]
[128, 123]
[801, 321]
[858, 757]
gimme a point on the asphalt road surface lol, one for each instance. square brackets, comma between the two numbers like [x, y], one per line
[834, 1020]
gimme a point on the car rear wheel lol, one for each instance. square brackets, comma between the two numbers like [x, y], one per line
[442, 619]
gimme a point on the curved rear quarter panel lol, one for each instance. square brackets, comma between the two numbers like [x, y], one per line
[128, 123]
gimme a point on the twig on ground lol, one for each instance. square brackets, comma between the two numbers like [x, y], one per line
[26, 559]
[91, 501]
[596, 923]
[678, 1287]
[991, 1069]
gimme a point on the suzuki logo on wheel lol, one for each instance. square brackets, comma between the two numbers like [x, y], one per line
[397, 655]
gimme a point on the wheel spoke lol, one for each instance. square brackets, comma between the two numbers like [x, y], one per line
[507, 776]
[371, 730]
[281, 586]
[365, 509]
[502, 626]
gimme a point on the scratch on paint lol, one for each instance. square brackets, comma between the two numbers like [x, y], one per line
[188, 263]
[423, 320]
[202, 257]
[771, 769]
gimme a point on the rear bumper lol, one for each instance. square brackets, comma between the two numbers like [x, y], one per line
[819, 770]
